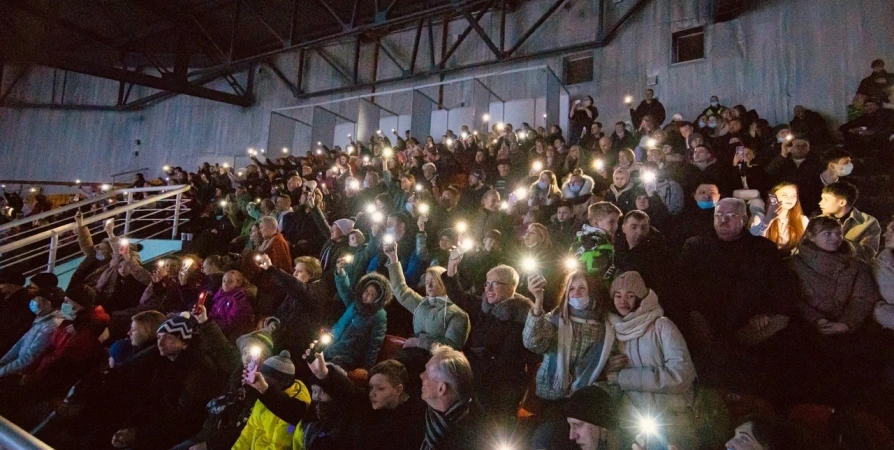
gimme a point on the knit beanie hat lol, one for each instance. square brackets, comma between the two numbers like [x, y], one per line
[260, 338]
[593, 405]
[181, 326]
[630, 281]
[82, 295]
[280, 369]
[345, 225]
[45, 279]
[121, 351]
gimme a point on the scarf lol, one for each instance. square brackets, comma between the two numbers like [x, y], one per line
[562, 378]
[618, 192]
[635, 323]
[437, 423]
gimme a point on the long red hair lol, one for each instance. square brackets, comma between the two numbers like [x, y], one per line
[795, 225]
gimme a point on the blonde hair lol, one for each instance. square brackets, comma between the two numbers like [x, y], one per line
[312, 265]
[435, 273]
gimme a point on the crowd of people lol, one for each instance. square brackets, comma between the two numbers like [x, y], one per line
[497, 288]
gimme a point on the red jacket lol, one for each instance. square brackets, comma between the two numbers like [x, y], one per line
[73, 352]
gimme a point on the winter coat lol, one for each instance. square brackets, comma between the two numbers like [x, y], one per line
[401, 428]
[359, 333]
[541, 336]
[624, 198]
[32, 345]
[173, 404]
[495, 344]
[233, 313]
[836, 286]
[884, 276]
[17, 318]
[671, 194]
[731, 282]
[585, 190]
[278, 250]
[266, 431]
[435, 320]
[660, 373]
[594, 248]
[864, 232]
[74, 350]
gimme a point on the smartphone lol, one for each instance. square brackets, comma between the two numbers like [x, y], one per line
[319, 346]
[253, 364]
[740, 151]
[773, 200]
[200, 302]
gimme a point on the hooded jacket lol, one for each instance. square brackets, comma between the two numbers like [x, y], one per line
[435, 319]
[233, 312]
[33, 344]
[834, 286]
[586, 189]
[359, 333]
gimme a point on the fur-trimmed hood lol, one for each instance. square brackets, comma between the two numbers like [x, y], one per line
[384, 286]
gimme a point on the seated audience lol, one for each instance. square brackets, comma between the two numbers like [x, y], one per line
[860, 229]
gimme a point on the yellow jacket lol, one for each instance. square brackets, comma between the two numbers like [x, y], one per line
[266, 431]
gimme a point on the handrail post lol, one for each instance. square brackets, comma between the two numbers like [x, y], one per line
[176, 216]
[128, 214]
[51, 259]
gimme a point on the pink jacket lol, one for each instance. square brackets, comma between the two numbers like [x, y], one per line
[233, 312]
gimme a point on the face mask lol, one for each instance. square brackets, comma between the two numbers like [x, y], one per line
[68, 310]
[100, 256]
[579, 302]
[365, 184]
[542, 184]
[712, 125]
[34, 307]
[701, 123]
[706, 204]
[390, 230]
[409, 208]
[714, 104]
[845, 170]
[575, 188]
[780, 139]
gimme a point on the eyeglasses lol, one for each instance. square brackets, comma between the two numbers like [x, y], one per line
[726, 215]
[494, 284]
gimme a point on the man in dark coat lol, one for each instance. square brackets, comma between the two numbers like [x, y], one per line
[14, 300]
[650, 106]
[454, 420]
[796, 164]
[740, 297]
[811, 124]
[495, 345]
[879, 83]
[640, 248]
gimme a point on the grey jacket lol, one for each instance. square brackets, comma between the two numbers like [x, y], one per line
[31, 346]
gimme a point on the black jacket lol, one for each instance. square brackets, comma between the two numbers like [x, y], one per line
[656, 109]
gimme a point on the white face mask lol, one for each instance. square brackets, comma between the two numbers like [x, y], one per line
[714, 104]
[844, 170]
[100, 256]
[579, 302]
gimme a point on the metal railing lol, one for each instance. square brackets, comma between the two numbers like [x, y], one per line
[14, 438]
[46, 234]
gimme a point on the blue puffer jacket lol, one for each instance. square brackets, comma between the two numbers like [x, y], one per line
[359, 333]
[31, 346]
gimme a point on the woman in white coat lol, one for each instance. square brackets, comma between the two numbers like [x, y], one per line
[657, 375]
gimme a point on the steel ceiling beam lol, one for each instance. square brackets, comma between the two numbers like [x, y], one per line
[473, 22]
[546, 15]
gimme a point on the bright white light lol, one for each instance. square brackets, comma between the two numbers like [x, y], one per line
[537, 166]
[648, 426]
[598, 164]
[255, 351]
[475, 133]
[354, 184]
[348, 258]
[504, 205]
[370, 208]
[529, 264]
[628, 99]
[468, 244]
[486, 117]
[388, 239]
[124, 242]
[366, 159]
[350, 149]
[462, 226]
[522, 135]
[789, 137]
[387, 152]
[449, 142]
[419, 187]
[319, 152]
[166, 168]
[545, 116]
[648, 177]
[501, 126]
[464, 134]
[223, 203]
[651, 142]
[78, 181]
[104, 187]
[226, 165]
[423, 208]
[285, 150]
[521, 193]
[377, 217]
[325, 339]
[378, 131]
[571, 263]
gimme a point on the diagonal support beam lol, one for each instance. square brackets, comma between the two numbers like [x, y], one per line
[390, 56]
[549, 12]
[473, 22]
[465, 33]
[24, 71]
[323, 54]
[333, 13]
[282, 77]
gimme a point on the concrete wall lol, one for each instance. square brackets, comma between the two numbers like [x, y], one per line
[778, 54]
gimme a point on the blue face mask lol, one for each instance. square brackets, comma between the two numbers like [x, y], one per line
[575, 188]
[390, 230]
[542, 184]
[701, 123]
[34, 307]
[68, 310]
[706, 204]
